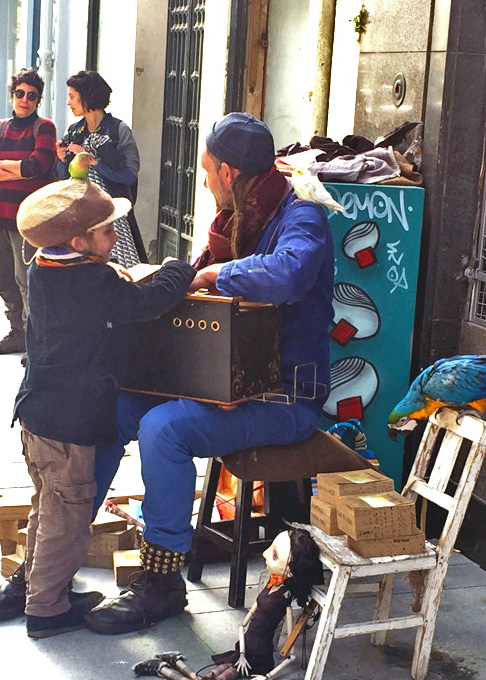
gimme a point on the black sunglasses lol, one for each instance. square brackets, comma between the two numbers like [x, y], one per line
[31, 96]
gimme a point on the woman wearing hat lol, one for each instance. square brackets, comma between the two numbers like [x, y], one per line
[27, 158]
[112, 145]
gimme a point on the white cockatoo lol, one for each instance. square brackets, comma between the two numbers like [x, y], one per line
[308, 187]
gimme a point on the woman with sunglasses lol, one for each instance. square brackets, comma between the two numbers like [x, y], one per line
[27, 159]
[115, 159]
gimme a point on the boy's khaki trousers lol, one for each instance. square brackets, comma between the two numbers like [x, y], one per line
[58, 534]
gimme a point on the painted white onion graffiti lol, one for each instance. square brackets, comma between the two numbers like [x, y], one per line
[361, 236]
[350, 377]
[352, 304]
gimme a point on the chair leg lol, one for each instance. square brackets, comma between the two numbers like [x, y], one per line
[382, 606]
[430, 609]
[327, 623]
[208, 496]
[239, 555]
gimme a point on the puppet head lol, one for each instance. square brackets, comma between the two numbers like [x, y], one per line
[295, 555]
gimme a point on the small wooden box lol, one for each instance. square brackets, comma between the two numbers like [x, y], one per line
[376, 515]
[332, 486]
[108, 542]
[209, 348]
[125, 563]
[324, 516]
[414, 544]
[105, 522]
[9, 529]
[10, 563]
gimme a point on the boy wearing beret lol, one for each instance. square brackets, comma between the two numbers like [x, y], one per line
[79, 314]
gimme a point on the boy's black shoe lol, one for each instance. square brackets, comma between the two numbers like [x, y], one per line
[13, 590]
[12, 595]
[47, 626]
[13, 342]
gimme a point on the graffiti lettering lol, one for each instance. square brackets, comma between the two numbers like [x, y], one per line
[376, 204]
[399, 279]
[392, 252]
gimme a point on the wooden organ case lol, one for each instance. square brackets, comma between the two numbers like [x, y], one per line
[209, 348]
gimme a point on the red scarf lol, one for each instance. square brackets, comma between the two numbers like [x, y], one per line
[275, 580]
[261, 201]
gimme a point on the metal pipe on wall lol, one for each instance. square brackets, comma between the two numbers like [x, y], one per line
[46, 54]
[325, 40]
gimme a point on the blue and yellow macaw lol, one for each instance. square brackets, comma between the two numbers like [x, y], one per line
[458, 382]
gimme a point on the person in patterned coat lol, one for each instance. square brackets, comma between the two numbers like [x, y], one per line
[114, 150]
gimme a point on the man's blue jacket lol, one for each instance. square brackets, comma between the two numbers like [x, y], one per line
[293, 266]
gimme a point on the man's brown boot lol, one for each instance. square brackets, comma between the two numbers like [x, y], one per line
[156, 592]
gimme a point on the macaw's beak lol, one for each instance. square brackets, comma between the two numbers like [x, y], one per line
[404, 430]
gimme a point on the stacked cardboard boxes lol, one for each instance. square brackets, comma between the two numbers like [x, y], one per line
[363, 505]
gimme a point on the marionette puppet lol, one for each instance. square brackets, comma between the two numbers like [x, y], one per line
[294, 566]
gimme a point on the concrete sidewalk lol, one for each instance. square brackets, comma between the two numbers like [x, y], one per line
[209, 625]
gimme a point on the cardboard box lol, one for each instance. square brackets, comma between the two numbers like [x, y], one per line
[324, 516]
[414, 544]
[125, 563]
[107, 543]
[376, 515]
[332, 486]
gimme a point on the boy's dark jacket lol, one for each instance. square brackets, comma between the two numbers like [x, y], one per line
[76, 331]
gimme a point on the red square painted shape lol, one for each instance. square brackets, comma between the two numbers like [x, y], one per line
[352, 407]
[343, 332]
[365, 257]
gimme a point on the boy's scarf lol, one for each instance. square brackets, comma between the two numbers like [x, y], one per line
[63, 257]
[235, 235]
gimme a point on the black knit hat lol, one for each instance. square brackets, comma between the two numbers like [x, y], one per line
[244, 142]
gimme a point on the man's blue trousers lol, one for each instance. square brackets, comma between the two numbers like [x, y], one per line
[171, 433]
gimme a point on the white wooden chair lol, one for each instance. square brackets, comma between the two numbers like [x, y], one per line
[346, 565]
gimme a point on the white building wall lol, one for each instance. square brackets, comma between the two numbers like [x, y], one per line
[344, 71]
[148, 108]
[287, 70]
[213, 78]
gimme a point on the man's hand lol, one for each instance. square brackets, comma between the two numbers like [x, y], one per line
[121, 271]
[206, 278]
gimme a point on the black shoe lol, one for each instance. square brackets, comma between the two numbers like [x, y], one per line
[12, 595]
[47, 626]
[13, 592]
[23, 359]
[149, 598]
[13, 342]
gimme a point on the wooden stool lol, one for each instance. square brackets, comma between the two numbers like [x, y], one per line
[321, 452]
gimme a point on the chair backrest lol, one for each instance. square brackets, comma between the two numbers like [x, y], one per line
[455, 431]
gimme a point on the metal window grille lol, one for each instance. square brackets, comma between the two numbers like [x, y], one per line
[477, 275]
[181, 126]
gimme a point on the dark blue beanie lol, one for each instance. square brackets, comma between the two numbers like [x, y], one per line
[244, 142]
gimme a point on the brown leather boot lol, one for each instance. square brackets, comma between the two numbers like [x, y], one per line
[156, 592]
